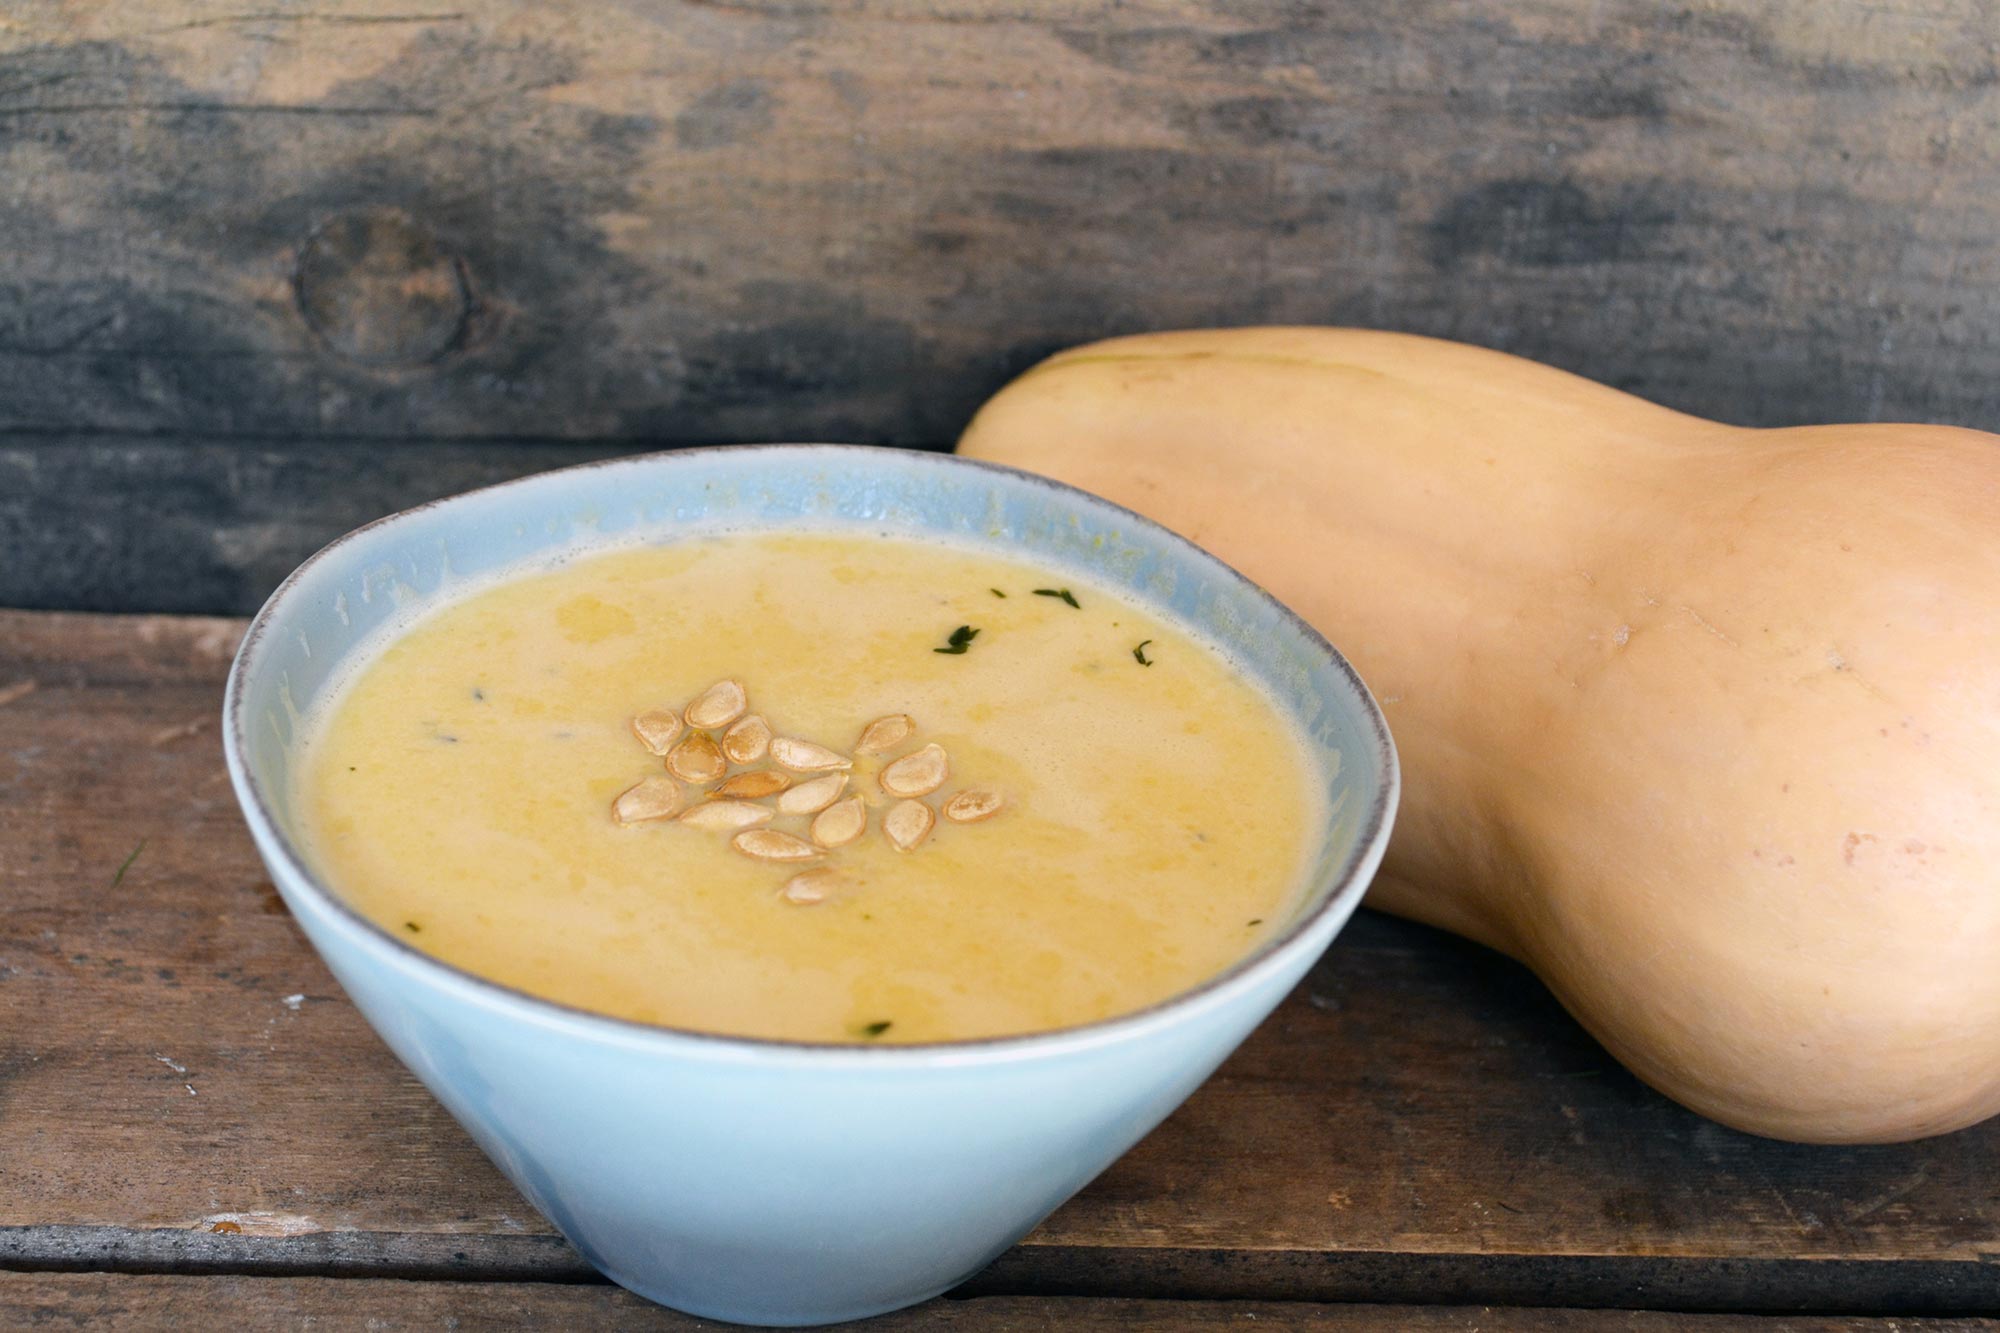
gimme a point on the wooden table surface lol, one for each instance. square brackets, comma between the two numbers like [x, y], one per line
[194, 1120]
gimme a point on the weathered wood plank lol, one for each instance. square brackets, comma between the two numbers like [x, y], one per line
[1104, 1272]
[456, 1256]
[1418, 1116]
[855, 218]
[169, 1302]
[127, 524]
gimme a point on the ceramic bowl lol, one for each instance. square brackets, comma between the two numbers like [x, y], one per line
[777, 1182]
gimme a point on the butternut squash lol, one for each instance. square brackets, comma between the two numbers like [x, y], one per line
[1701, 723]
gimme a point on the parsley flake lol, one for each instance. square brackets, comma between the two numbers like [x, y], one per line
[1139, 654]
[1063, 593]
[961, 639]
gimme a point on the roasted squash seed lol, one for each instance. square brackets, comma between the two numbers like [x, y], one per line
[697, 759]
[806, 757]
[753, 785]
[972, 805]
[719, 705]
[657, 729]
[907, 824]
[917, 774]
[885, 734]
[840, 823]
[726, 816]
[652, 798]
[813, 795]
[768, 844]
[747, 741]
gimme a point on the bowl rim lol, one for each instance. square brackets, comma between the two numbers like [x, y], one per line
[1348, 882]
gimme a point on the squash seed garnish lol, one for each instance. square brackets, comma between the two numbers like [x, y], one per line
[657, 729]
[840, 823]
[768, 844]
[697, 759]
[810, 887]
[702, 741]
[916, 774]
[806, 757]
[726, 816]
[885, 734]
[972, 805]
[753, 785]
[719, 705]
[812, 796]
[651, 798]
[747, 741]
[908, 823]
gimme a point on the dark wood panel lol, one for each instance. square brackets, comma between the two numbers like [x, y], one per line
[131, 524]
[172, 1302]
[1684, 1282]
[855, 218]
[1193, 1272]
[1419, 1121]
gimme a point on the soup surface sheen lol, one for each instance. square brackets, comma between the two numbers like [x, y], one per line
[1155, 824]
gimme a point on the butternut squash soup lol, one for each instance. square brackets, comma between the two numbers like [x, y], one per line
[823, 786]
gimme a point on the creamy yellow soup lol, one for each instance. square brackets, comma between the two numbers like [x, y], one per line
[1120, 813]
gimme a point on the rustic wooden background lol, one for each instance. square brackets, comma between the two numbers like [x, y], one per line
[268, 270]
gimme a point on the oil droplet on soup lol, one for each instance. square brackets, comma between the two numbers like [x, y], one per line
[1092, 833]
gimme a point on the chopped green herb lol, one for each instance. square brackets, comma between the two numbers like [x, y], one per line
[875, 1029]
[478, 695]
[119, 878]
[1139, 653]
[1256, 920]
[961, 639]
[997, 593]
[413, 927]
[1063, 593]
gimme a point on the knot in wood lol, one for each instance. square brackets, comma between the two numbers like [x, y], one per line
[376, 287]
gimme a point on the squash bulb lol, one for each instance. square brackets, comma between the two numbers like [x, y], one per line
[1701, 723]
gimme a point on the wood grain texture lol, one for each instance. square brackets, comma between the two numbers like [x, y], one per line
[128, 523]
[743, 219]
[170, 1302]
[1418, 1121]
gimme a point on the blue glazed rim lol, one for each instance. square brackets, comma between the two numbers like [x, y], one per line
[1340, 889]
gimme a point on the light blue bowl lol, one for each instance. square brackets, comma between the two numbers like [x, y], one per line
[766, 1181]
